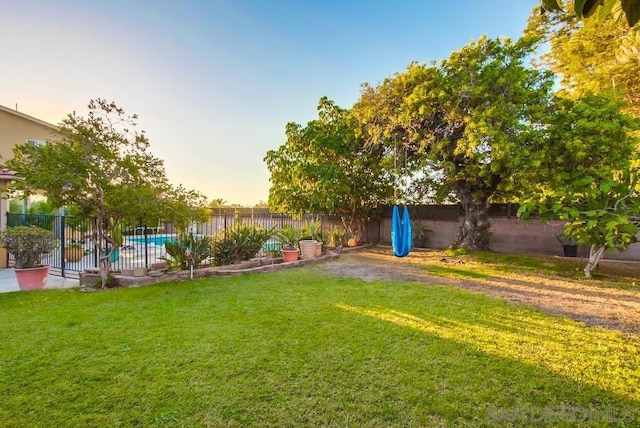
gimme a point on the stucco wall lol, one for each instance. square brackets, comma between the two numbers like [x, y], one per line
[16, 130]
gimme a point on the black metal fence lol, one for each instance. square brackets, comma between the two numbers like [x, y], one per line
[142, 245]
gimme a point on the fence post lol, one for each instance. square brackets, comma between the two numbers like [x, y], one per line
[6, 252]
[146, 250]
[62, 246]
[94, 235]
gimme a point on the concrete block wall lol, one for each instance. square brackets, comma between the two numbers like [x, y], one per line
[508, 235]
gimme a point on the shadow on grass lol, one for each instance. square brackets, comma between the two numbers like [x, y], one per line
[297, 348]
[503, 369]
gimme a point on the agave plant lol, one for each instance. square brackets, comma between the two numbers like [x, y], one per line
[289, 236]
[240, 243]
[312, 230]
[188, 250]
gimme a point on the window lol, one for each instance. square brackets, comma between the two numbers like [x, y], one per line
[37, 143]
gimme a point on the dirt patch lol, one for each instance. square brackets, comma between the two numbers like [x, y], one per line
[612, 303]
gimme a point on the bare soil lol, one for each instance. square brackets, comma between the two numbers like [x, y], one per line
[612, 300]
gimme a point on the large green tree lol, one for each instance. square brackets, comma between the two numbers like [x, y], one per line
[588, 174]
[103, 168]
[325, 168]
[591, 56]
[603, 9]
[468, 122]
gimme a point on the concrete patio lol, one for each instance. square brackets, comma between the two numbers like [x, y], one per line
[9, 283]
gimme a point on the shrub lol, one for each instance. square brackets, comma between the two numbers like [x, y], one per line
[312, 230]
[27, 244]
[187, 250]
[240, 243]
[289, 237]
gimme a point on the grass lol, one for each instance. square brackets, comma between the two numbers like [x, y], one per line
[299, 348]
[483, 265]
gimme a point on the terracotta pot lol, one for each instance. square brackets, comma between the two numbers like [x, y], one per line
[318, 249]
[74, 254]
[289, 255]
[32, 278]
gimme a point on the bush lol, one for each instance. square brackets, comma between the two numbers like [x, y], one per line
[240, 243]
[188, 250]
[27, 244]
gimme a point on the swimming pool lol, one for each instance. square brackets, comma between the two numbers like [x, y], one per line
[151, 239]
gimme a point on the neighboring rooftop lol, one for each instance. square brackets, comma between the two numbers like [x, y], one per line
[26, 116]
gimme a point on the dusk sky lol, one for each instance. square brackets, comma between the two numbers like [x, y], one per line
[215, 82]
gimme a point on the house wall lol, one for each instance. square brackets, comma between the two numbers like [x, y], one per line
[16, 128]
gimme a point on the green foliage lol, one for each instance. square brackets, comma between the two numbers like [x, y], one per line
[587, 174]
[565, 239]
[325, 167]
[334, 237]
[312, 230]
[240, 243]
[73, 244]
[591, 56]
[289, 236]
[27, 244]
[601, 9]
[467, 124]
[188, 250]
[181, 207]
[420, 231]
[100, 165]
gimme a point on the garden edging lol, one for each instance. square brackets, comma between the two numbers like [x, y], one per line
[91, 277]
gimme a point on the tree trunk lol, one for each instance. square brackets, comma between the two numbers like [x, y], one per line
[474, 231]
[353, 227]
[595, 254]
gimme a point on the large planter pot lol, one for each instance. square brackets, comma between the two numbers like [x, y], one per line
[570, 250]
[308, 248]
[289, 255]
[73, 254]
[32, 278]
[419, 242]
[318, 249]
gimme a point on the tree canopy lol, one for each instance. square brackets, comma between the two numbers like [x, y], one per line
[325, 168]
[630, 9]
[591, 56]
[469, 121]
[103, 168]
[588, 175]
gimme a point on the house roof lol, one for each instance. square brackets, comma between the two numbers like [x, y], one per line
[27, 117]
[6, 174]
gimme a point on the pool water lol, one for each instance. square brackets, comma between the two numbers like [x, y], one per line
[151, 239]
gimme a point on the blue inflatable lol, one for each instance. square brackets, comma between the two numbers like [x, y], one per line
[400, 232]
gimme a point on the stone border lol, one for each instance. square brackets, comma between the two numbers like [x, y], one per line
[89, 278]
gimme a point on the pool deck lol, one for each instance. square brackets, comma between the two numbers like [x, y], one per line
[8, 282]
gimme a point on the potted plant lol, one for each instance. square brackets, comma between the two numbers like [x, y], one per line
[27, 244]
[289, 237]
[569, 244]
[73, 251]
[420, 235]
[311, 244]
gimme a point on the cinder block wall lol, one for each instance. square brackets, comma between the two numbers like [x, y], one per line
[508, 235]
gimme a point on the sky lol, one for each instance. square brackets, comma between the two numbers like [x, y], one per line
[215, 82]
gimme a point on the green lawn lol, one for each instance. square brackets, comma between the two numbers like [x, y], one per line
[299, 348]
